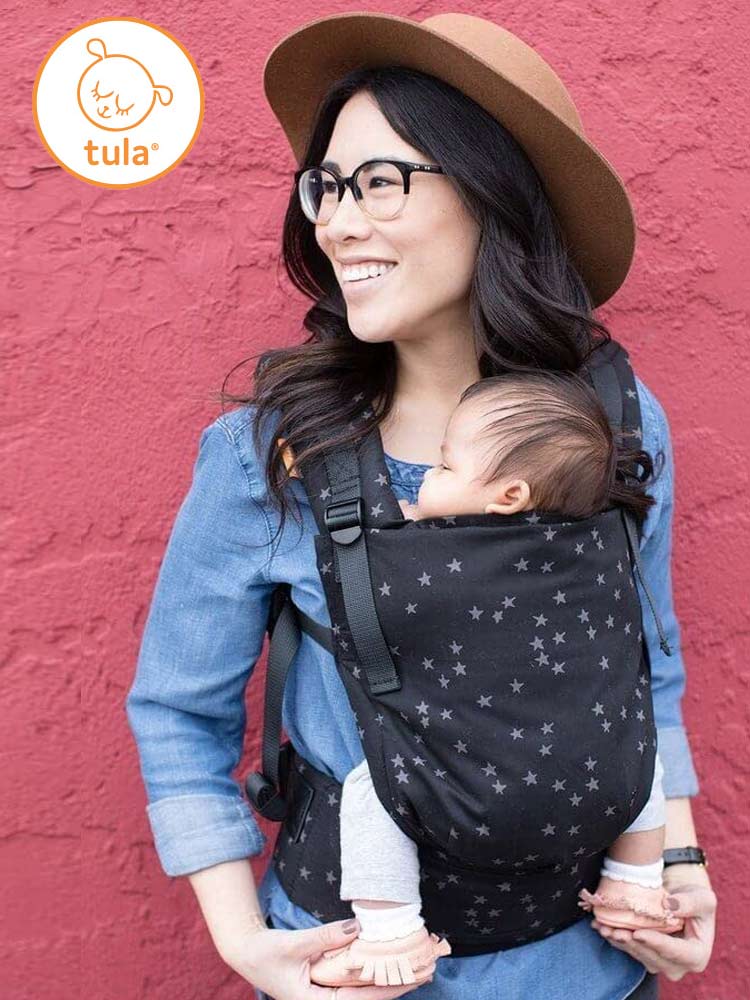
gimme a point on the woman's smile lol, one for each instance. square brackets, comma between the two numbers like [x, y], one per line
[361, 287]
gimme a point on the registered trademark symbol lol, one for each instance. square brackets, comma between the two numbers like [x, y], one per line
[154, 145]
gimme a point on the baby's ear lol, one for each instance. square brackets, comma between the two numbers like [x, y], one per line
[494, 508]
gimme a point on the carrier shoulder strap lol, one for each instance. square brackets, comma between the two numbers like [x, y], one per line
[611, 375]
[343, 518]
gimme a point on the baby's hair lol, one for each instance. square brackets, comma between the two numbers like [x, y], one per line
[551, 429]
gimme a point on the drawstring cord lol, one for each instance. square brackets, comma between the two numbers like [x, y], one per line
[635, 548]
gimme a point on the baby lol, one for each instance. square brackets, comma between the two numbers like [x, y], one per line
[516, 442]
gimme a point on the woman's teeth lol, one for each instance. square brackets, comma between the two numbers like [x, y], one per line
[361, 272]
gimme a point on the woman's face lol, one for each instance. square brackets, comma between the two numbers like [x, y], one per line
[433, 241]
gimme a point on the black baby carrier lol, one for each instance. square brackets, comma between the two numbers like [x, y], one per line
[498, 673]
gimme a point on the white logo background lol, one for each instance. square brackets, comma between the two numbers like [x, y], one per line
[167, 131]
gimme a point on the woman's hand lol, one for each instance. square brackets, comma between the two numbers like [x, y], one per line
[278, 963]
[673, 954]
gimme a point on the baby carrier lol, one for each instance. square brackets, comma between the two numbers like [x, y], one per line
[498, 673]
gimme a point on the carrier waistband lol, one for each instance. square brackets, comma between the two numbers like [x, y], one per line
[478, 911]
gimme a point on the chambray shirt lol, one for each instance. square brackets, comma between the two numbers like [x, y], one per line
[205, 632]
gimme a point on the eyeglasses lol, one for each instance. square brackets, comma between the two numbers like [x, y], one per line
[385, 183]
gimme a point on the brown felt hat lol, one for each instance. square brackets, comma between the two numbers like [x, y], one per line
[502, 74]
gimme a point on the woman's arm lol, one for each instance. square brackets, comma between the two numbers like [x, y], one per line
[680, 832]
[229, 903]
[202, 637]
[668, 676]
[674, 955]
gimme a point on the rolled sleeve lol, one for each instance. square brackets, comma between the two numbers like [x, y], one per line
[195, 831]
[668, 677]
[203, 635]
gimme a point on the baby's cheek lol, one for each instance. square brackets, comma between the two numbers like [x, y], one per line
[430, 498]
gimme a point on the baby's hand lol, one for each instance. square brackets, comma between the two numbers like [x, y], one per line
[409, 510]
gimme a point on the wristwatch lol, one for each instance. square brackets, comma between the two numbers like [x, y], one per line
[685, 855]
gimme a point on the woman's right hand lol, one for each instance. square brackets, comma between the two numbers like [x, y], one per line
[278, 963]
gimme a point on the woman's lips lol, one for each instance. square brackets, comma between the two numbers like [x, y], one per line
[361, 288]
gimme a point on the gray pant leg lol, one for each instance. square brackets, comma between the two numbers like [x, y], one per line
[653, 814]
[378, 860]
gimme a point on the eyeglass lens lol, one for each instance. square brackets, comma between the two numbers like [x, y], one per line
[380, 194]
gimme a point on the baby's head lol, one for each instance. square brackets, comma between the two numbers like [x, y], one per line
[531, 440]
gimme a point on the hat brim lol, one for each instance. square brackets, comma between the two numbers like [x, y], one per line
[588, 196]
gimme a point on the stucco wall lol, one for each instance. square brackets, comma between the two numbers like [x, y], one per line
[124, 310]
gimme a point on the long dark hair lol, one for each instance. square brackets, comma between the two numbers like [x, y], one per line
[529, 306]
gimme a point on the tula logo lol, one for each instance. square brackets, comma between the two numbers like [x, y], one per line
[126, 116]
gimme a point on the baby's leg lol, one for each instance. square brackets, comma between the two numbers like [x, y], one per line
[379, 863]
[380, 875]
[630, 892]
[636, 855]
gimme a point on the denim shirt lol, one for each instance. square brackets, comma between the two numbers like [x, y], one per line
[205, 632]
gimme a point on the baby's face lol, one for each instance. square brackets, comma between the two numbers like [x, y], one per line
[454, 486]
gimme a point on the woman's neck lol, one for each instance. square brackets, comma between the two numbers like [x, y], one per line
[431, 374]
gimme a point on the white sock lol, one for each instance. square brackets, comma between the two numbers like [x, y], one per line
[384, 923]
[648, 876]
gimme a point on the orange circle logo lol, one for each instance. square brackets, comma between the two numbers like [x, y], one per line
[118, 102]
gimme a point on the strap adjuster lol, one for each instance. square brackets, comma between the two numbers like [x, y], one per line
[265, 797]
[344, 520]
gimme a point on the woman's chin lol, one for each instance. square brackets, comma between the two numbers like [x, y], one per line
[366, 327]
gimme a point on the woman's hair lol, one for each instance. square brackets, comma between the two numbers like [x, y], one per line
[552, 430]
[529, 306]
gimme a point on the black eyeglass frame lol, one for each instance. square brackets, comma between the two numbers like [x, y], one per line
[406, 168]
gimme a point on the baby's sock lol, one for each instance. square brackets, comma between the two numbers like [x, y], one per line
[648, 876]
[387, 922]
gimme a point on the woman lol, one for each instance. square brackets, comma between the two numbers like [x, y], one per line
[483, 283]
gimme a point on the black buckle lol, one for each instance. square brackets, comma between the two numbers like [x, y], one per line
[344, 520]
[265, 797]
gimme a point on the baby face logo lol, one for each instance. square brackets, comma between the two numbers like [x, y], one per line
[126, 117]
[129, 90]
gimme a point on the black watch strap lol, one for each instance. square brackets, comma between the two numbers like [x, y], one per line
[685, 855]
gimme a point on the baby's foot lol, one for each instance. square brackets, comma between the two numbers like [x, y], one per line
[409, 959]
[623, 904]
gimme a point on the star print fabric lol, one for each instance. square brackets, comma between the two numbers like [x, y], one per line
[521, 742]
[518, 644]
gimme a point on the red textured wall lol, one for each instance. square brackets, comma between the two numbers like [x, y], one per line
[122, 312]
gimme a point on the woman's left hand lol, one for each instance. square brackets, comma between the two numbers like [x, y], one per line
[673, 954]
